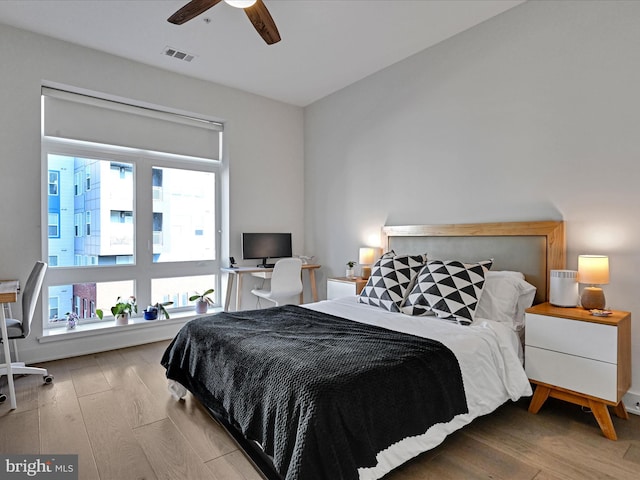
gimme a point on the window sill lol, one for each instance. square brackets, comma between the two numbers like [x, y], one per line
[102, 328]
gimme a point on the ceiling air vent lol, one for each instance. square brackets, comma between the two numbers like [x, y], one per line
[175, 53]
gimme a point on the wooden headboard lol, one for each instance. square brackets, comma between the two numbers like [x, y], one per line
[533, 248]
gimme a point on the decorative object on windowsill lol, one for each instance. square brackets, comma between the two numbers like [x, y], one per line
[150, 313]
[72, 320]
[350, 273]
[121, 310]
[366, 258]
[202, 301]
[160, 311]
[593, 270]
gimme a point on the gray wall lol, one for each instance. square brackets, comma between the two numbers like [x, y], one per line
[531, 115]
[264, 141]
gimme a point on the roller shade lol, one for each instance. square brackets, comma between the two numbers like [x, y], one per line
[80, 117]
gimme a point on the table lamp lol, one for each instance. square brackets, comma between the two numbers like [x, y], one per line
[593, 270]
[366, 258]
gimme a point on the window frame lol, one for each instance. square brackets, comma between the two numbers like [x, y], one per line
[143, 270]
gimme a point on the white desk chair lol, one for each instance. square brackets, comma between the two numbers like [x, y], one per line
[20, 329]
[286, 282]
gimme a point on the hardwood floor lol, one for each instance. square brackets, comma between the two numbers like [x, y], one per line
[113, 409]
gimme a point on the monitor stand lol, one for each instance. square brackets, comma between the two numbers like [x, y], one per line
[264, 264]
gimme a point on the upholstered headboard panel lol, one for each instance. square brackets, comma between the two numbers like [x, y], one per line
[533, 248]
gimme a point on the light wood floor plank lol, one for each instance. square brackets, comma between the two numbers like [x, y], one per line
[62, 425]
[233, 466]
[150, 352]
[19, 432]
[578, 442]
[169, 454]
[557, 456]
[542, 475]
[563, 420]
[450, 467]
[137, 403]
[633, 454]
[207, 438]
[117, 452]
[26, 387]
[487, 459]
[89, 380]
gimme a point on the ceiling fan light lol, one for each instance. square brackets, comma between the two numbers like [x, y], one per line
[240, 3]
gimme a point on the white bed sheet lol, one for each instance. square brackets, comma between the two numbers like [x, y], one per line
[487, 352]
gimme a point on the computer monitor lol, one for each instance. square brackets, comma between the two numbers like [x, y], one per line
[266, 245]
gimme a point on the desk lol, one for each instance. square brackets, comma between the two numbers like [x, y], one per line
[8, 294]
[235, 276]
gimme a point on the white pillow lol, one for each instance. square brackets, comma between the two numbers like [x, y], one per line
[505, 297]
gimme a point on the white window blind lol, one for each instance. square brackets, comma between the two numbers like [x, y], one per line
[80, 117]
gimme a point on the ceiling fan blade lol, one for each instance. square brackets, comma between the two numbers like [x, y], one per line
[191, 10]
[263, 23]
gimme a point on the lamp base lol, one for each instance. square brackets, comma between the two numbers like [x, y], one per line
[366, 272]
[593, 297]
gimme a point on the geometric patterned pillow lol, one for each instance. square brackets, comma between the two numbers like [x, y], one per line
[450, 289]
[390, 279]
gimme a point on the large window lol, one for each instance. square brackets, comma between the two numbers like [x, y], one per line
[130, 221]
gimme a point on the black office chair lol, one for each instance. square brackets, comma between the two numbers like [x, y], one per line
[21, 328]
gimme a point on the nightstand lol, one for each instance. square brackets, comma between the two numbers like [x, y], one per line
[579, 358]
[344, 287]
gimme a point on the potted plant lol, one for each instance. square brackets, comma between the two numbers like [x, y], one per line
[152, 311]
[202, 301]
[350, 265]
[121, 310]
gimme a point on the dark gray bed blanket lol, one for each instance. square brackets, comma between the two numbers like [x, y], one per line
[321, 394]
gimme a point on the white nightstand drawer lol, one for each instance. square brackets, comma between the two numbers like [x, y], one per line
[591, 377]
[340, 289]
[584, 339]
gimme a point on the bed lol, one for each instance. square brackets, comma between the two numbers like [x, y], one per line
[354, 387]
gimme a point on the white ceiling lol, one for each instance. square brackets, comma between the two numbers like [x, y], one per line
[326, 44]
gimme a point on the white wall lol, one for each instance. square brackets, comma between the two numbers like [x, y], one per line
[531, 115]
[264, 140]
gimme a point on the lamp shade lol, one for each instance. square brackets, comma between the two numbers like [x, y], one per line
[367, 255]
[593, 269]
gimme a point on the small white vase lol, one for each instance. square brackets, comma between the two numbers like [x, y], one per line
[122, 319]
[201, 306]
[350, 273]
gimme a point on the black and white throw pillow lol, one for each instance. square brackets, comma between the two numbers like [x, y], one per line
[391, 277]
[448, 288]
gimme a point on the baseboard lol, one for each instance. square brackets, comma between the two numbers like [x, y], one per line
[632, 402]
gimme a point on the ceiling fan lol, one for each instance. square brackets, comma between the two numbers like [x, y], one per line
[256, 10]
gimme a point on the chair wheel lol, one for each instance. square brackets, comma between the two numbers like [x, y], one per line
[47, 379]
[3, 398]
